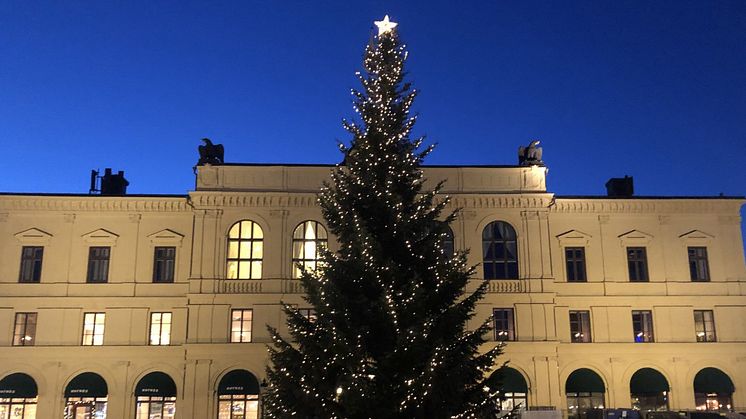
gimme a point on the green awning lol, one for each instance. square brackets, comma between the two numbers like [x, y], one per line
[156, 384]
[87, 384]
[238, 382]
[584, 380]
[648, 380]
[512, 381]
[712, 380]
[18, 385]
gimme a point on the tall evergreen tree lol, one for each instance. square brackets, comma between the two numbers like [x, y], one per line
[390, 337]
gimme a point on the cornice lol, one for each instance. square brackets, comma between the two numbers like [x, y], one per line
[98, 203]
[647, 206]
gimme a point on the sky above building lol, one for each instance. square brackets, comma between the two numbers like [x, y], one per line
[655, 90]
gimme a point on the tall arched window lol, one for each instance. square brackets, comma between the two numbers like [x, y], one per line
[18, 397]
[499, 251]
[713, 390]
[245, 251]
[585, 391]
[156, 397]
[86, 396]
[238, 396]
[308, 238]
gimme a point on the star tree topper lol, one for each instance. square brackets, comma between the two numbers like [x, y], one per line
[385, 25]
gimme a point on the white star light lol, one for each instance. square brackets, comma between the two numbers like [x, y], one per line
[385, 25]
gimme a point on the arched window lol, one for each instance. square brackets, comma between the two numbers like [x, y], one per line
[514, 389]
[713, 390]
[585, 391]
[649, 390]
[86, 397]
[499, 251]
[18, 397]
[156, 397]
[245, 251]
[308, 238]
[238, 396]
[448, 247]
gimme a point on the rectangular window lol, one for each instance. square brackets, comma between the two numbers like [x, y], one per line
[241, 325]
[575, 261]
[699, 269]
[163, 264]
[98, 264]
[642, 324]
[308, 313]
[503, 323]
[704, 326]
[31, 257]
[24, 331]
[93, 329]
[580, 326]
[160, 328]
[637, 263]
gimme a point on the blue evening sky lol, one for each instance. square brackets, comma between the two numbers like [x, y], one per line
[656, 90]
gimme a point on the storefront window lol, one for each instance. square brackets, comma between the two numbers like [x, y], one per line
[18, 408]
[18, 397]
[151, 407]
[238, 396]
[85, 408]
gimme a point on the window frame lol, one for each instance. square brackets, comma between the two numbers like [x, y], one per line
[163, 260]
[319, 243]
[95, 263]
[508, 321]
[638, 264]
[160, 335]
[646, 322]
[583, 321]
[95, 326]
[578, 264]
[700, 263]
[31, 264]
[491, 244]
[242, 321]
[704, 337]
[252, 240]
[19, 337]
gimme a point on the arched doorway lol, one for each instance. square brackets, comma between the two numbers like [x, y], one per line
[514, 389]
[585, 391]
[86, 397]
[713, 390]
[18, 397]
[649, 389]
[238, 396]
[156, 397]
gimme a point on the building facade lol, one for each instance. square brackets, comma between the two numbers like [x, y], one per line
[156, 306]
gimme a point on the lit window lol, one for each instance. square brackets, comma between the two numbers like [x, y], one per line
[31, 259]
[308, 240]
[637, 264]
[98, 264]
[308, 313]
[575, 263]
[499, 251]
[93, 329]
[245, 251]
[704, 326]
[24, 332]
[164, 264]
[699, 269]
[642, 325]
[241, 325]
[580, 326]
[503, 323]
[160, 328]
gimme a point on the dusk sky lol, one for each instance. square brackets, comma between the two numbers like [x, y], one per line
[656, 90]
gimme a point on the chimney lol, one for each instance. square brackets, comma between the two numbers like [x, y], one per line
[619, 187]
[113, 184]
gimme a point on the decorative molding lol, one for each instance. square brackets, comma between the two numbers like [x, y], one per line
[648, 206]
[93, 203]
[603, 219]
[68, 218]
[696, 238]
[573, 238]
[635, 238]
[101, 236]
[664, 219]
[166, 237]
[33, 236]
[469, 214]
[278, 213]
[135, 218]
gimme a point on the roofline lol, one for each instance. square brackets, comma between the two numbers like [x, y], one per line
[85, 195]
[719, 197]
[438, 166]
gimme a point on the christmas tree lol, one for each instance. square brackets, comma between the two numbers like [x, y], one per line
[389, 338]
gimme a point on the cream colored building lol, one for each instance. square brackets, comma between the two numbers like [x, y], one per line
[88, 303]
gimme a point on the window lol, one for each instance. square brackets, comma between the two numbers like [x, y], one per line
[642, 324]
[499, 251]
[503, 318]
[31, 257]
[308, 313]
[98, 264]
[245, 251]
[308, 240]
[575, 262]
[704, 326]
[448, 247]
[155, 407]
[18, 397]
[637, 263]
[24, 331]
[699, 269]
[164, 264]
[580, 326]
[93, 329]
[241, 325]
[160, 328]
